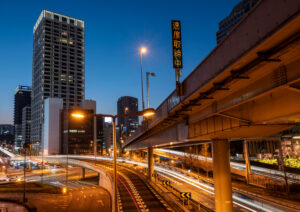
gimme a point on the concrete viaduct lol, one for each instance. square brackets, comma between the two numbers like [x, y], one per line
[247, 87]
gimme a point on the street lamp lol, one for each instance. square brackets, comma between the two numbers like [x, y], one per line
[77, 115]
[148, 97]
[142, 51]
[147, 113]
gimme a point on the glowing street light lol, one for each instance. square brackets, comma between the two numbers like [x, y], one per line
[148, 112]
[77, 115]
[143, 50]
[64, 190]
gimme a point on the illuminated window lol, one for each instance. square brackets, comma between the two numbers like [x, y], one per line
[64, 40]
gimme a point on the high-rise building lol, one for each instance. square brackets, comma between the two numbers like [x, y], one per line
[58, 65]
[6, 129]
[26, 122]
[127, 105]
[6, 134]
[236, 15]
[22, 99]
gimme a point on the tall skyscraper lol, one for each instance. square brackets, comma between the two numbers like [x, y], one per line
[26, 124]
[22, 99]
[58, 65]
[126, 105]
[236, 15]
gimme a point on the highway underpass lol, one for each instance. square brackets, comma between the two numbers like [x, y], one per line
[247, 87]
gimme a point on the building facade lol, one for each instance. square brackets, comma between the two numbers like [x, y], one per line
[101, 145]
[6, 134]
[107, 138]
[22, 99]
[26, 123]
[77, 133]
[236, 15]
[58, 65]
[50, 141]
[127, 105]
[6, 129]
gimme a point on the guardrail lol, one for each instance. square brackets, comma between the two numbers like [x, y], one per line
[196, 205]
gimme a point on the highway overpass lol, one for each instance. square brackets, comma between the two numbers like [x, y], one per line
[247, 87]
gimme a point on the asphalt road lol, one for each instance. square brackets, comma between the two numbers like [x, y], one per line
[80, 198]
[134, 193]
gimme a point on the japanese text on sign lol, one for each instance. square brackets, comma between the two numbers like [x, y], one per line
[176, 44]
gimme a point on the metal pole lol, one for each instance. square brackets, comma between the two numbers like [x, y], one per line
[148, 98]
[143, 103]
[95, 137]
[24, 198]
[115, 163]
[42, 175]
[67, 160]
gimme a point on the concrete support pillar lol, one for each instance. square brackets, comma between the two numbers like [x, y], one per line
[206, 146]
[82, 173]
[130, 155]
[247, 161]
[150, 163]
[222, 175]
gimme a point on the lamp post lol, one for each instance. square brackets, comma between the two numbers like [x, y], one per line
[142, 51]
[24, 181]
[148, 97]
[147, 112]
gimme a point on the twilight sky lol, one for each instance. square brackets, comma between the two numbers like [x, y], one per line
[114, 32]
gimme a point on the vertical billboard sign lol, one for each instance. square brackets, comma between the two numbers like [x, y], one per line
[176, 45]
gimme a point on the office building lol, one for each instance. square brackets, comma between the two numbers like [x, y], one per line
[236, 15]
[58, 65]
[26, 122]
[101, 141]
[6, 129]
[6, 134]
[107, 138]
[52, 126]
[22, 99]
[127, 105]
[77, 133]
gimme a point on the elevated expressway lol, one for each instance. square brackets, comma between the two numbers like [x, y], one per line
[247, 87]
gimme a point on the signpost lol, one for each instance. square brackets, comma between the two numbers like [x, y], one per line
[166, 182]
[185, 195]
[177, 53]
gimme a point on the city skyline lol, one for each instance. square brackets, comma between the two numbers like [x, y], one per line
[120, 41]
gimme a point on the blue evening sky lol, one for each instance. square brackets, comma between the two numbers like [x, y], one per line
[114, 32]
